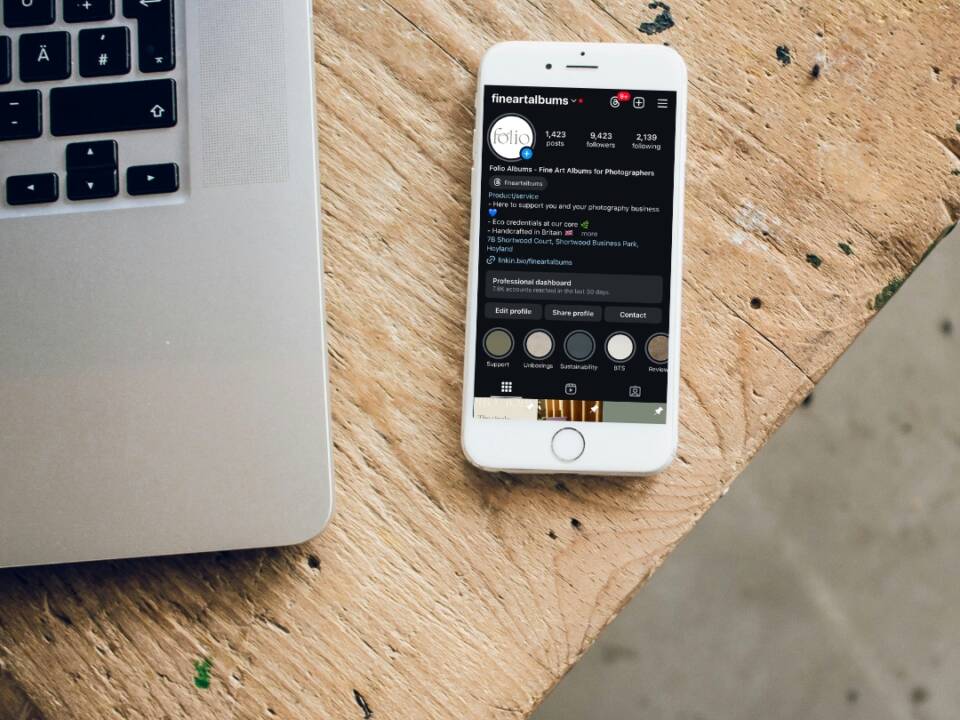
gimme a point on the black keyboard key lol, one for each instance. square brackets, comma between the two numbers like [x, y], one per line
[6, 60]
[23, 13]
[104, 51]
[155, 32]
[113, 107]
[101, 154]
[92, 184]
[20, 115]
[78, 11]
[45, 56]
[33, 189]
[153, 179]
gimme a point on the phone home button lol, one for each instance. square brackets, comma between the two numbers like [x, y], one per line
[567, 444]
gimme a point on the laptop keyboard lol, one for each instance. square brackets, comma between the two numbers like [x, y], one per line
[99, 70]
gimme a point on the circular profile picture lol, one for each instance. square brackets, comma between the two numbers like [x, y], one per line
[510, 135]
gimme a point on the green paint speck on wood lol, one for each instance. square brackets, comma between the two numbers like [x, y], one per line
[783, 54]
[814, 260]
[883, 297]
[663, 21]
[847, 250]
[202, 668]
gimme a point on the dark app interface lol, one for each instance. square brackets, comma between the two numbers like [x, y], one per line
[576, 227]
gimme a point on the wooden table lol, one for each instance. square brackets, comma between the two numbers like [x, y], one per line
[443, 592]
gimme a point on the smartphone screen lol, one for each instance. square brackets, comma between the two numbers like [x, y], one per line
[576, 228]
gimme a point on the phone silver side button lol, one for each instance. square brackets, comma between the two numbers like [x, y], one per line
[568, 444]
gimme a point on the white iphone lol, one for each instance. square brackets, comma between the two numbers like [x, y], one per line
[573, 313]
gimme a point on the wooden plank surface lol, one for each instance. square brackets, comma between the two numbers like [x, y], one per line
[443, 592]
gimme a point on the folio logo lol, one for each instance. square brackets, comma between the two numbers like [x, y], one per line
[509, 134]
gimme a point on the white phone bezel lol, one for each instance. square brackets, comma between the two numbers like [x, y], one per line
[615, 448]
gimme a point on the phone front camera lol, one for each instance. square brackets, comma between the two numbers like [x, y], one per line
[549, 66]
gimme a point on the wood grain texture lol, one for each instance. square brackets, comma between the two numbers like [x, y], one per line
[443, 592]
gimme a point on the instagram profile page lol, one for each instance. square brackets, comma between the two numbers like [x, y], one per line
[576, 229]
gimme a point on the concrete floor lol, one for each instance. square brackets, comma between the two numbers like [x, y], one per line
[827, 583]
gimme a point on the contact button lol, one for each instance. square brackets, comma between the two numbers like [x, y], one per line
[651, 315]
[512, 311]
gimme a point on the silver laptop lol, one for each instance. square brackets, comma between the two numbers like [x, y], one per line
[162, 359]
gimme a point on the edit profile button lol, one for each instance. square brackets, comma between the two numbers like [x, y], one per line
[512, 311]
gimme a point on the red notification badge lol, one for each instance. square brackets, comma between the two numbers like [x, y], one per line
[623, 96]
